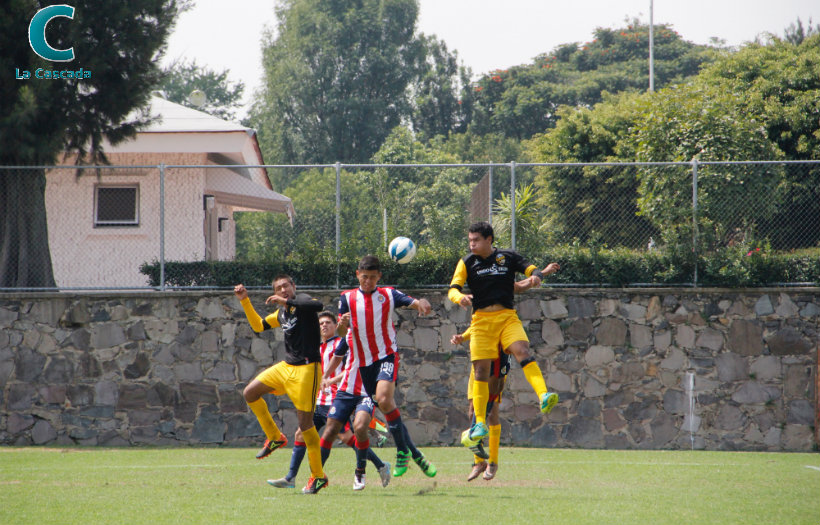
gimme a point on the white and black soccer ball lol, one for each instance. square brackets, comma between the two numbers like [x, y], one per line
[402, 250]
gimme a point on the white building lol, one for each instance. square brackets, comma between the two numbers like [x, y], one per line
[103, 224]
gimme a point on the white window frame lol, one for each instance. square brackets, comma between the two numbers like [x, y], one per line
[118, 223]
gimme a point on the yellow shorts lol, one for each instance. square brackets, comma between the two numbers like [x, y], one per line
[299, 382]
[489, 329]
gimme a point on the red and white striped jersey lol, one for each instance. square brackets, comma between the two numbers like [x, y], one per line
[371, 335]
[327, 349]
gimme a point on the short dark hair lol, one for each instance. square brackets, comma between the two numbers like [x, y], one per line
[369, 262]
[484, 228]
[281, 276]
[330, 315]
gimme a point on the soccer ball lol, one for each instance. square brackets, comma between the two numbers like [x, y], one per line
[402, 250]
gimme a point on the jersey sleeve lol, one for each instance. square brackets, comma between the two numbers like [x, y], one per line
[457, 283]
[467, 333]
[343, 306]
[401, 298]
[522, 265]
[257, 323]
[303, 301]
[341, 349]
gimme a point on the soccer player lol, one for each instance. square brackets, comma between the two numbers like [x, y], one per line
[351, 400]
[498, 375]
[297, 376]
[490, 274]
[366, 316]
[324, 400]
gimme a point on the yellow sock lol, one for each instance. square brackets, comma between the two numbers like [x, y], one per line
[260, 410]
[495, 442]
[533, 374]
[481, 394]
[311, 437]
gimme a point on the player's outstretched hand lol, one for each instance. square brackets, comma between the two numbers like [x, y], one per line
[424, 307]
[240, 292]
[551, 268]
[457, 339]
[278, 299]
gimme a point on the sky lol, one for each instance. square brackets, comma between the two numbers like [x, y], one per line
[486, 34]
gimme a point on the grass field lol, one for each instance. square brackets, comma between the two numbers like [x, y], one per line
[533, 486]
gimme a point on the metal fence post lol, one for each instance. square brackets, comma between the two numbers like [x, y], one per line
[338, 220]
[695, 218]
[162, 227]
[512, 203]
[490, 196]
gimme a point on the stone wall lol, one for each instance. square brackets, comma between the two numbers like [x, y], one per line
[168, 369]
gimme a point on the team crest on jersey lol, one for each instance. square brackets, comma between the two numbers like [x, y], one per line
[500, 259]
[292, 310]
[380, 298]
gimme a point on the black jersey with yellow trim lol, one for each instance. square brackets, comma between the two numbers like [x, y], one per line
[299, 320]
[491, 279]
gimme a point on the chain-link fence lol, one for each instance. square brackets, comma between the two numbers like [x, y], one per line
[158, 226]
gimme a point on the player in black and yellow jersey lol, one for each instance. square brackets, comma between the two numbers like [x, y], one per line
[298, 376]
[490, 275]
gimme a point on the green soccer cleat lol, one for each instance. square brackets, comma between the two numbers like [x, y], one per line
[428, 468]
[548, 401]
[402, 460]
[479, 431]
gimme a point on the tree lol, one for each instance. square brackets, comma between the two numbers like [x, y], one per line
[223, 97]
[796, 33]
[522, 101]
[699, 121]
[441, 101]
[591, 203]
[119, 43]
[780, 83]
[336, 78]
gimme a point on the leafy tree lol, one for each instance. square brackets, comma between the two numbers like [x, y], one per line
[699, 121]
[428, 204]
[440, 94]
[530, 227]
[336, 78]
[223, 97]
[796, 33]
[523, 100]
[779, 82]
[119, 43]
[591, 203]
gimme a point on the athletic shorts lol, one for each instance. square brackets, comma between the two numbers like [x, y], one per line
[489, 329]
[386, 369]
[346, 404]
[320, 416]
[299, 382]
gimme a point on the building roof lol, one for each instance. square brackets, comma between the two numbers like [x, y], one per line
[176, 118]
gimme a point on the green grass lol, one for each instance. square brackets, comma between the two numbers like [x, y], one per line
[533, 486]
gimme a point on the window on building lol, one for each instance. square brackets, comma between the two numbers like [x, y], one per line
[116, 206]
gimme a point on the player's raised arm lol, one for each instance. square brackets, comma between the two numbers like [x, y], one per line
[456, 293]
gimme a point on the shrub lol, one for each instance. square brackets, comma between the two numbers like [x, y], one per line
[740, 266]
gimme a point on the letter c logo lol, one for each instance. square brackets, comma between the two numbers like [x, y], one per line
[37, 33]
